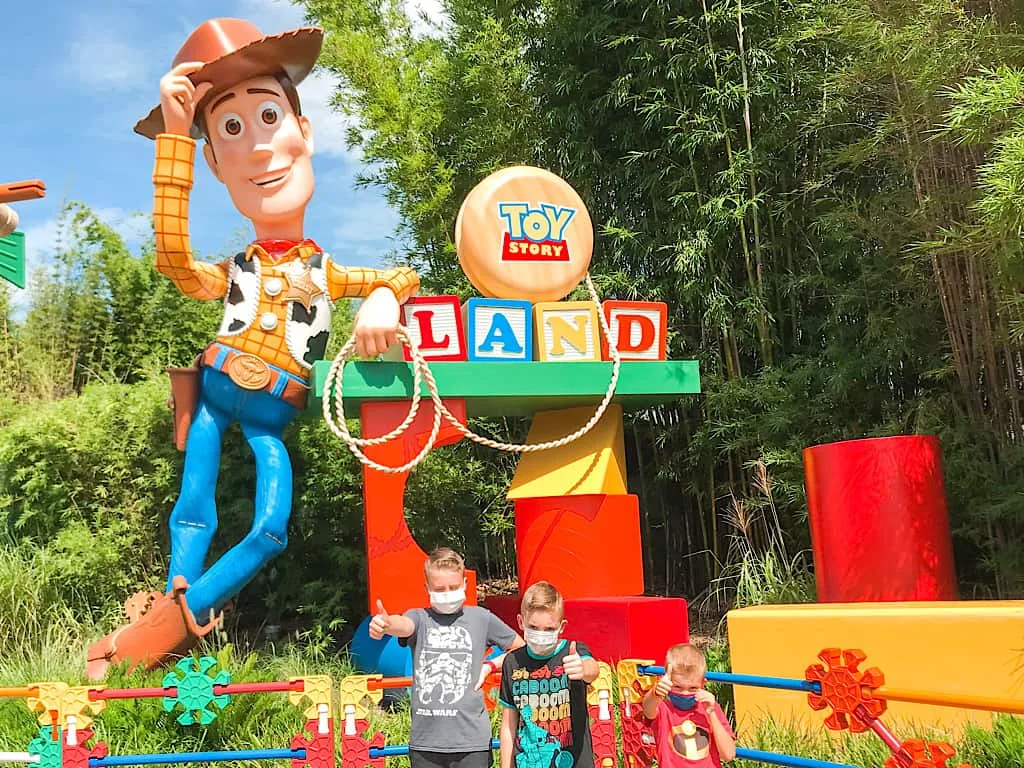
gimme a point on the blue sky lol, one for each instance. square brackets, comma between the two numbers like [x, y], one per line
[77, 77]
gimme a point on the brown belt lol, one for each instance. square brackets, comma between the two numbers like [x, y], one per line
[251, 372]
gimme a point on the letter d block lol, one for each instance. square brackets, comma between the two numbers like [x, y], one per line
[499, 329]
[435, 322]
[638, 329]
[567, 331]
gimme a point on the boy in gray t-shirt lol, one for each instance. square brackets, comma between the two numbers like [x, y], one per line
[450, 726]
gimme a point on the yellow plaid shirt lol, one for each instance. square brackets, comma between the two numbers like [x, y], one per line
[172, 180]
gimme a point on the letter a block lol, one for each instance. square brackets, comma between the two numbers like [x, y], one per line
[499, 329]
[435, 322]
[567, 331]
[638, 328]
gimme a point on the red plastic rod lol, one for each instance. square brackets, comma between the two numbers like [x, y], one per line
[880, 729]
[389, 682]
[274, 687]
[131, 693]
[277, 686]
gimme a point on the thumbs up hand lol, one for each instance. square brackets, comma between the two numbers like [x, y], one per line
[663, 686]
[380, 624]
[572, 663]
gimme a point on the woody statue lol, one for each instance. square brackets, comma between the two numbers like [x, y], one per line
[235, 88]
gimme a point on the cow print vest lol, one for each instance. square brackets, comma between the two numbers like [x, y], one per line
[306, 332]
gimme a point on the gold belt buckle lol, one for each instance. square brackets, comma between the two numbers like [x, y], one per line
[249, 372]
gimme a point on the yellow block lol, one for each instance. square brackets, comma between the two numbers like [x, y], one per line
[595, 463]
[566, 331]
[954, 648]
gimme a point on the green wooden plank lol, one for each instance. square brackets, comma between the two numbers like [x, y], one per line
[517, 389]
[12, 258]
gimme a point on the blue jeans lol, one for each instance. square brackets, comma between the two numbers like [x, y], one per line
[193, 522]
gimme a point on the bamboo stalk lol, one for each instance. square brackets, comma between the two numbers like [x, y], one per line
[766, 351]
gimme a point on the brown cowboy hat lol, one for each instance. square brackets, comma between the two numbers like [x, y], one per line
[234, 50]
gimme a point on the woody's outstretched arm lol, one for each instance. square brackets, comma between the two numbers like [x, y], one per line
[172, 181]
[360, 282]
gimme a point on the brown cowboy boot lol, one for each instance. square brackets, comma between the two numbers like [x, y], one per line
[165, 632]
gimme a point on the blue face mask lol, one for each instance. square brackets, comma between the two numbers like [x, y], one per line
[685, 703]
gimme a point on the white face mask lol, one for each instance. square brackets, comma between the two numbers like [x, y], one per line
[541, 641]
[448, 602]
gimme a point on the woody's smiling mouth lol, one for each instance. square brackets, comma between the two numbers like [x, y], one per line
[270, 177]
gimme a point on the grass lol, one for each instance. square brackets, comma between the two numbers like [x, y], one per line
[759, 569]
[268, 721]
[41, 639]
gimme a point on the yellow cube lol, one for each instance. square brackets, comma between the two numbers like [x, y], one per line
[954, 650]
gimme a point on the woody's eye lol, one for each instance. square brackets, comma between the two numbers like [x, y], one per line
[270, 113]
[230, 126]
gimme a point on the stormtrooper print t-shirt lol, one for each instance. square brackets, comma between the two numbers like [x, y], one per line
[447, 653]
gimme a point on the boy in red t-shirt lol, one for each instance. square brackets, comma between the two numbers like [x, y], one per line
[690, 729]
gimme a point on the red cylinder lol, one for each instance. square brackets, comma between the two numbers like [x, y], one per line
[879, 524]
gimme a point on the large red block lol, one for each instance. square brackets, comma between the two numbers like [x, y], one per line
[587, 546]
[615, 627]
[879, 523]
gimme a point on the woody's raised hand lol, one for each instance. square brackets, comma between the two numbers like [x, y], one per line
[179, 97]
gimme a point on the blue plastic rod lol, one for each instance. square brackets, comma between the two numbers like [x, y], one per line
[756, 681]
[400, 750]
[199, 757]
[773, 758]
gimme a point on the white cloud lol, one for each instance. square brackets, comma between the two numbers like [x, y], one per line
[366, 232]
[41, 241]
[46, 238]
[329, 124]
[134, 227]
[366, 221]
[103, 57]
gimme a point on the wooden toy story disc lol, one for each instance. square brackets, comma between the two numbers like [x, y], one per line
[524, 233]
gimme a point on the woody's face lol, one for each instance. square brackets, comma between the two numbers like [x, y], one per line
[261, 151]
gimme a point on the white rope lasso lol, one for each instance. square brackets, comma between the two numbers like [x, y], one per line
[422, 374]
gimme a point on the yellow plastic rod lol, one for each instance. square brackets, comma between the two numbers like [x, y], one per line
[967, 701]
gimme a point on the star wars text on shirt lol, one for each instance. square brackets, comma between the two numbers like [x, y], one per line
[443, 670]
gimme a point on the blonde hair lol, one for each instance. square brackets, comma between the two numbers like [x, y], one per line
[541, 596]
[444, 559]
[685, 659]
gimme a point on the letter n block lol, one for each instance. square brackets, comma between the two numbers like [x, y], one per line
[566, 331]
[435, 322]
[638, 328]
[499, 329]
